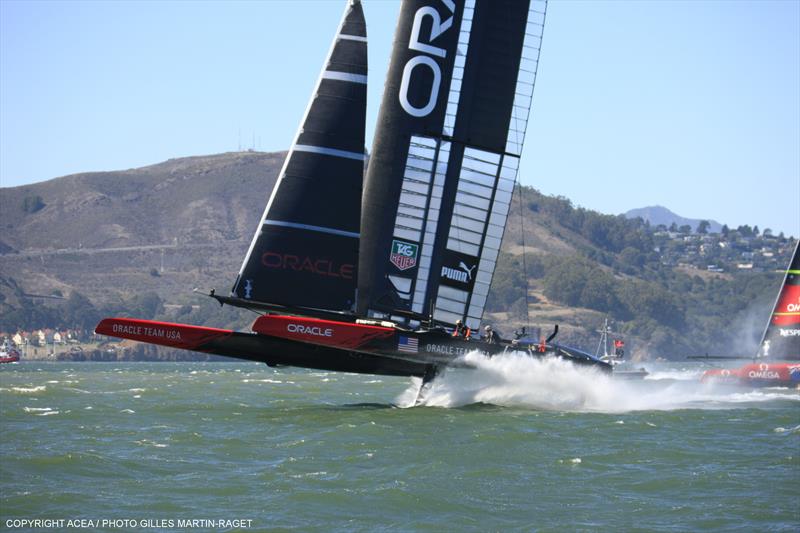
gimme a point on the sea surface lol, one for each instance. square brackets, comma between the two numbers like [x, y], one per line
[517, 445]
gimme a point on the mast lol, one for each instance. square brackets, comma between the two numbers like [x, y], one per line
[304, 252]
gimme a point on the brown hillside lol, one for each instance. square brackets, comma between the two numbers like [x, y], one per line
[194, 200]
[166, 228]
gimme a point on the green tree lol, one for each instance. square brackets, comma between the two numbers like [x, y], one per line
[632, 257]
[508, 283]
[147, 305]
[78, 312]
[32, 204]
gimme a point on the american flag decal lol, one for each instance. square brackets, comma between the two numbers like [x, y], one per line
[408, 344]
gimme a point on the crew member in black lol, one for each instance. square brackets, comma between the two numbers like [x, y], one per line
[461, 330]
[490, 335]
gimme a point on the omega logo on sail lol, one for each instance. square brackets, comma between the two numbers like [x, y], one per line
[438, 27]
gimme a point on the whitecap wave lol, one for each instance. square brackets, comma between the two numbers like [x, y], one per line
[29, 390]
[682, 374]
[152, 443]
[40, 411]
[793, 430]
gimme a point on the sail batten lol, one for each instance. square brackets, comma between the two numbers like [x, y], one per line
[309, 227]
[324, 150]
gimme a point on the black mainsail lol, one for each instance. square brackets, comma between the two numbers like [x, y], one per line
[305, 250]
[445, 156]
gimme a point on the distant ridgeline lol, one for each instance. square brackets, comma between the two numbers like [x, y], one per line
[661, 216]
[672, 291]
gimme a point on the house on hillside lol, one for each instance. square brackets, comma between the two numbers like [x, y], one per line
[19, 338]
[38, 338]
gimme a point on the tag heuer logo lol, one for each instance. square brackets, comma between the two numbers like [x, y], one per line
[404, 255]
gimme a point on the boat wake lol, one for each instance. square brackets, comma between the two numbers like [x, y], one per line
[517, 380]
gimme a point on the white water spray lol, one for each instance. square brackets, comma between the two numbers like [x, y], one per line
[518, 380]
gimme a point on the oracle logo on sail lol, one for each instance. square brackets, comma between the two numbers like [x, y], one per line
[317, 266]
[309, 330]
[425, 65]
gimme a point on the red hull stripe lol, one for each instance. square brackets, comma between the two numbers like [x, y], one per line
[779, 373]
[787, 312]
[164, 333]
[326, 332]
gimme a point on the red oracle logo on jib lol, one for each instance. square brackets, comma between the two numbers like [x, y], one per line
[313, 265]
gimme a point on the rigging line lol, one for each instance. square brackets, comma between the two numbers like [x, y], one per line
[524, 263]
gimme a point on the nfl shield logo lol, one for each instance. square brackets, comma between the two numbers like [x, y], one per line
[404, 255]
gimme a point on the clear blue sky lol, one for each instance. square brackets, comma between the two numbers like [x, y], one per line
[691, 105]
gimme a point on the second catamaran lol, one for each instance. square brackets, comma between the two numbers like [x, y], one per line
[389, 272]
[779, 342]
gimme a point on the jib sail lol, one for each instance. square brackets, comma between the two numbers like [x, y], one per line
[305, 250]
[445, 156]
[781, 339]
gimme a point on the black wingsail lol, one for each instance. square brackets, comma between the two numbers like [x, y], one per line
[781, 339]
[445, 156]
[305, 250]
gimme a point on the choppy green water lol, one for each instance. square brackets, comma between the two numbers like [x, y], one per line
[548, 450]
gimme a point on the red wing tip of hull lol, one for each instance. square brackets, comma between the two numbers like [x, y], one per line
[182, 336]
